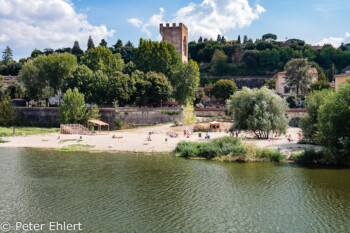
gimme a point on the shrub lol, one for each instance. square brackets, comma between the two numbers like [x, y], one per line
[272, 155]
[119, 123]
[170, 113]
[200, 128]
[176, 122]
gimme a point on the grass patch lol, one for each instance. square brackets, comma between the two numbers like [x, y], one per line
[44, 140]
[3, 141]
[71, 140]
[7, 132]
[227, 149]
[76, 147]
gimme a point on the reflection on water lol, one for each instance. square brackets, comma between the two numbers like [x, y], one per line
[159, 193]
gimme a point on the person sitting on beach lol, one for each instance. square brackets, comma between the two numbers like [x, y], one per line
[149, 138]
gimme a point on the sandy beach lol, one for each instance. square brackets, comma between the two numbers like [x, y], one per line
[135, 140]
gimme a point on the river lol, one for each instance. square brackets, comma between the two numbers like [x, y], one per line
[108, 192]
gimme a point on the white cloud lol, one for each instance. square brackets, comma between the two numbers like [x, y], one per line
[335, 41]
[154, 21]
[211, 17]
[46, 24]
[136, 22]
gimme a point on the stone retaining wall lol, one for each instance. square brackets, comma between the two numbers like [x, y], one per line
[49, 117]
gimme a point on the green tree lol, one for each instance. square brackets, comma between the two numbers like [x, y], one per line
[245, 39]
[188, 115]
[185, 91]
[271, 84]
[118, 45]
[76, 50]
[239, 39]
[98, 88]
[7, 113]
[92, 113]
[309, 123]
[35, 53]
[160, 89]
[103, 43]
[159, 57]
[80, 78]
[333, 121]
[90, 44]
[251, 59]
[7, 55]
[260, 111]
[15, 90]
[37, 87]
[72, 108]
[322, 83]
[142, 87]
[298, 76]
[103, 59]
[269, 36]
[270, 58]
[120, 88]
[224, 89]
[55, 67]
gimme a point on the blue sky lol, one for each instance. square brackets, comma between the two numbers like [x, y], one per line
[57, 23]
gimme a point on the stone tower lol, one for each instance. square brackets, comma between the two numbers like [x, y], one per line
[178, 36]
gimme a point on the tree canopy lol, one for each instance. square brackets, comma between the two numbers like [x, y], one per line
[260, 111]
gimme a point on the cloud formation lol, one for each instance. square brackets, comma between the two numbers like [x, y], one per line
[46, 24]
[335, 41]
[211, 17]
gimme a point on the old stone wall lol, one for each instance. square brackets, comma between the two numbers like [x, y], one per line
[178, 36]
[49, 117]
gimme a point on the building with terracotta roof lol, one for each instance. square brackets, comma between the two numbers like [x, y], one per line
[340, 79]
[281, 87]
[9, 79]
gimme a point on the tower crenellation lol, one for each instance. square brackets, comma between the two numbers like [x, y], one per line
[178, 36]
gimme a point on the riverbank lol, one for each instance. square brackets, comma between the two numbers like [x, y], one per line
[135, 140]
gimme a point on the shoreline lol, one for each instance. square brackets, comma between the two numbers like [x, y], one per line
[135, 141]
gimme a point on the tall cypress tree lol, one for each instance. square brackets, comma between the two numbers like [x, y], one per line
[90, 44]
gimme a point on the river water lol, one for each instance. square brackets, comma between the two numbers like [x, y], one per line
[108, 192]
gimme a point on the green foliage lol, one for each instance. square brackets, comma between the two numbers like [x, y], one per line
[322, 83]
[7, 55]
[170, 113]
[45, 74]
[271, 84]
[120, 87]
[19, 131]
[90, 44]
[200, 128]
[101, 58]
[92, 113]
[298, 76]
[269, 36]
[15, 90]
[251, 58]
[224, 89]
[292, 101]
[80, 78]
[159, 57]
[187, 84]
[333, 120]
[226, 148]
[118, 123]
[72, 108]
[7, 113]
[189, 116]
[159, 89]
[258, 110]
